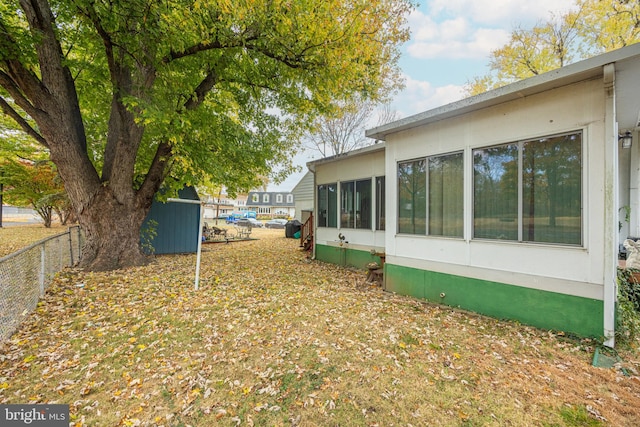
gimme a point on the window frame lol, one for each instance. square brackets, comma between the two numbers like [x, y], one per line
[381, 200]
[357, 215]
[331, 219]
[418, 228]
[520, 198]
[429, 216]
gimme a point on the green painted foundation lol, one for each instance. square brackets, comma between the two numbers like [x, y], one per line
[345, 256]
[543, 309]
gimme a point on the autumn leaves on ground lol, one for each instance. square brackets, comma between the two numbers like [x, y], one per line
[273, 338]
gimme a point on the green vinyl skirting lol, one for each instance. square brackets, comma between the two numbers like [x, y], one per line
[345, 256]
[543, 309]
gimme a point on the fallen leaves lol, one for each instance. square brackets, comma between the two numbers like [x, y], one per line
[272, 339]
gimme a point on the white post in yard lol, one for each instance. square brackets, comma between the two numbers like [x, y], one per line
[199, 251]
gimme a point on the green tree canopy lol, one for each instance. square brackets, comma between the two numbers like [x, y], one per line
[128, 95]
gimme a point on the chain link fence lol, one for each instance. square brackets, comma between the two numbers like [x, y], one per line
[27, 273]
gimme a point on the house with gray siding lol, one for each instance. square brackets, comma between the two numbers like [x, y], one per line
[303, 196]
[271, 204]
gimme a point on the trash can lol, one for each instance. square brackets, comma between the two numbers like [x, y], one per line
[291, 228]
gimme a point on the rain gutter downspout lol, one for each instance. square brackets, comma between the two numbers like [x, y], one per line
[611, 202]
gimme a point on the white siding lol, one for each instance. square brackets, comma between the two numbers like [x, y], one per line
[348, 169]
[572, 270]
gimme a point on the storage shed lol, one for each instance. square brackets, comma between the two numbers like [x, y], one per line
[171, 227]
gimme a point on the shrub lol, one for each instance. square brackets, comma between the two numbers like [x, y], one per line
[628, 310]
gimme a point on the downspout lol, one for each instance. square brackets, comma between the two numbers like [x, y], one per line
[611, 203]
[634, 189]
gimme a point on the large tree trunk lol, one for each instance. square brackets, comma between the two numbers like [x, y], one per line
[112, 232]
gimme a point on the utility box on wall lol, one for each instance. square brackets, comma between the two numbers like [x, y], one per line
[171, 227]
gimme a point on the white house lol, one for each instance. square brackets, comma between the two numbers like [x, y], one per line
[511, 203]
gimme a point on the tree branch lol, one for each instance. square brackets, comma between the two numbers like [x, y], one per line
[200, 47]
[16, 93]
[155, 175]
[22, 122]
[201, 91]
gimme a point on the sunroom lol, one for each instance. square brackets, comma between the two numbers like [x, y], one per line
[512, 203]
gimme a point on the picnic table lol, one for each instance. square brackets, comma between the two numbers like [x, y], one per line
[243, 231]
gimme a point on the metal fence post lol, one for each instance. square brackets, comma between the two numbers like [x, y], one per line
[42, 269]
[70, 245]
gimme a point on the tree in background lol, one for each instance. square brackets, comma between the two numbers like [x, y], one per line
[343, 129]
[28, 178]
[594, 27]
[609, 25]
[129, 95]
[35, 185]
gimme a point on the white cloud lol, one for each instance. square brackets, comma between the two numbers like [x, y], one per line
[498, 12]
[451, 38]
[419, 96]
[459, 29]
[476, 45]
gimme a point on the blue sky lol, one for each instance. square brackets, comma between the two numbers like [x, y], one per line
[451, 41]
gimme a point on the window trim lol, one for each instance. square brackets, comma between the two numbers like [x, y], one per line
[398, 163]
[380, 192]
[354, 203]
[428, 194]
[328, 218]
[520, 191]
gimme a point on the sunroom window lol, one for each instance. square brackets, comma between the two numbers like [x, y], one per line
[412, 197]
[355, 204]
[380, 203]
[446, 198]
[328, 205]
[431, 196]
[530, 191]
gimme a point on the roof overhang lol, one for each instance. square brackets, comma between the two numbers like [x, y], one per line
[370, 149]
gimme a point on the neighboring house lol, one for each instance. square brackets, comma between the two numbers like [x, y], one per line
[303, 197]
[224, 205]
[271, 204]
[511, 203]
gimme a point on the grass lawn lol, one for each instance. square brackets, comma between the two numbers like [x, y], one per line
[272, 338]
[15, 237]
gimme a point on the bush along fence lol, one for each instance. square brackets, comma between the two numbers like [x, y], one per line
[26, 274]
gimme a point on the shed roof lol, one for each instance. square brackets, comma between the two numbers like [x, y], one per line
[628, 115]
